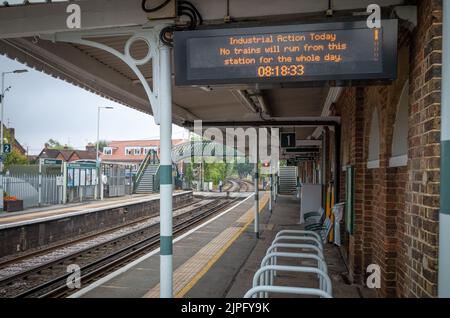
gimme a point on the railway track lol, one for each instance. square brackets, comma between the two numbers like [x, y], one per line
[102, 256]
[10, 261]
[240, 186]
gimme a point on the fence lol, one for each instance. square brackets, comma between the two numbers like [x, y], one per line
[26, 187]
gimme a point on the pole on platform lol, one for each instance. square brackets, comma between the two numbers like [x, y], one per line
[257, 187]
[40, 183]
[166, 189]
[64, 188]
[275, 194]
[270, 188]
[444, 217]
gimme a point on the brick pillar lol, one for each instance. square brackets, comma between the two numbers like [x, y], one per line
[422, 198]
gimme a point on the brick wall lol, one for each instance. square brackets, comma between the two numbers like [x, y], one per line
[422, 196]
[397, 208]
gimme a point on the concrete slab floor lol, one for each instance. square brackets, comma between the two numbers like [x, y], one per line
[144, 277]
[231, 276]
[55, 210]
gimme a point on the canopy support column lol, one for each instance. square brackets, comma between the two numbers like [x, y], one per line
[166, 189]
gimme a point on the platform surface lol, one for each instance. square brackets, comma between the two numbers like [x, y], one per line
[45, 213]
[218, 259]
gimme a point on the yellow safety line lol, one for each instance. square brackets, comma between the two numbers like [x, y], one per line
[222, 251]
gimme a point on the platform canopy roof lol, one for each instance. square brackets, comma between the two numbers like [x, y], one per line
[22, 23]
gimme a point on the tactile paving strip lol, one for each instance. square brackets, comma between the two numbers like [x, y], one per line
[184, 275]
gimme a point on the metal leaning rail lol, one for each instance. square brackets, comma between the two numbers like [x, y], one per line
[327, 287]
[267, 279]
[309, 240]
[287, 290]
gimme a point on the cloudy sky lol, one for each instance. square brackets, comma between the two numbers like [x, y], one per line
[40, 107]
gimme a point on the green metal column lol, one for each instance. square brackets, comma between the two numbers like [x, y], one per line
[166, 268]
[256, 187]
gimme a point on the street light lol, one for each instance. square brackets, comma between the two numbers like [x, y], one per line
[98, 129]
[2, 100]
[97, 163]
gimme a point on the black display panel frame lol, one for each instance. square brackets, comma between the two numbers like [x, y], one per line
[388, 54]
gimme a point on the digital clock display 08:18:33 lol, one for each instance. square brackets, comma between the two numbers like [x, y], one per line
[281, 70]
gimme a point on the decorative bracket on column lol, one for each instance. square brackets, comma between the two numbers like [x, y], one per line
[150, 36]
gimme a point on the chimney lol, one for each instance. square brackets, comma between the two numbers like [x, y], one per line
[91, 147]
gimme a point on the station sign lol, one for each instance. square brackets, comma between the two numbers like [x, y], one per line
[288, 140]
[7, 148]
[83, 165]
[286, 53]
[51, 161]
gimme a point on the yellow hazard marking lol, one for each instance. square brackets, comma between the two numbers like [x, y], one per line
[188, 274]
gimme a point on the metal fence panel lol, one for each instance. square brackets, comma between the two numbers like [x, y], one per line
[26, 187]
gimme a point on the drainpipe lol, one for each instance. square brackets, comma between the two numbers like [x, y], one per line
[166, 189]
[444, 217]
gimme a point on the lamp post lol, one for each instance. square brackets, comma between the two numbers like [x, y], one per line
[98, 130]
[97, 163]
[2, 99]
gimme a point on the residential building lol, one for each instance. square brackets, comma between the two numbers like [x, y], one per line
[132, 151]
[68, 155]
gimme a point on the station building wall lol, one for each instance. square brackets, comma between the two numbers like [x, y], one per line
[397, 203]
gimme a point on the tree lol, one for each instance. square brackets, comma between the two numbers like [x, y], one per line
[101, 144]
[14, 158]
[55, 144]
[244, 169]
[189, 173]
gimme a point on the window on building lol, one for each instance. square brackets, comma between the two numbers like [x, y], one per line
[149, 149]
[374, 142]
[107, 151]
[128, 151]
[137, 151]
[399, 157]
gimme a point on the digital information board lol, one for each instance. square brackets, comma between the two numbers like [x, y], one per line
[287, 53]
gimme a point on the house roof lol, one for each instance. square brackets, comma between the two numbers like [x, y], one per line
[85, 154]
[140, 143]
[49, 153]
[66, 154]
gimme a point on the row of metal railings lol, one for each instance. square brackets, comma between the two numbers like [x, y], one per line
[301, 245]
[26, 187]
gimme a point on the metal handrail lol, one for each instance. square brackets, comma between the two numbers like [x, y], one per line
[156, 180]
[274, 247]
[301, 232]
[269, 258]
[142, 168]
[299, 238]
[298, 269]
[287, 290]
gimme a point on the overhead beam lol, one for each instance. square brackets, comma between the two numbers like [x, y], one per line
[48, 18]
[217, 9]
[243, 98]
[308, 143]
[262, 100]
[331, 121]
[333, 95]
